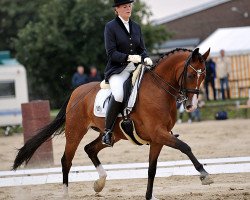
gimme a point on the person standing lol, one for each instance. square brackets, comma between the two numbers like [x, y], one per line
[79, 77]
[210, 77]
[94, 75]
[125, 49]
[181, 109]
[223, 71]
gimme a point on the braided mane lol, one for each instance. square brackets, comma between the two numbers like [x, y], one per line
[168, 53]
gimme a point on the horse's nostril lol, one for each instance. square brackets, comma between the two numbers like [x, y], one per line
[189, 106]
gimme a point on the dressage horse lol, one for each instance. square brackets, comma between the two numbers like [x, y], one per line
[175, 77]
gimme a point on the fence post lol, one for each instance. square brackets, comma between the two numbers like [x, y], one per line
[36, 115]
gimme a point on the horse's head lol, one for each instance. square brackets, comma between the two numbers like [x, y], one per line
[184, 77]
[191, 78]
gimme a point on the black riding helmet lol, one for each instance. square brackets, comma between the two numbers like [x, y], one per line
[121, 2]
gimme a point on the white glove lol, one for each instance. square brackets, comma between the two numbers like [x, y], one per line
[134, 58]
[148, 61]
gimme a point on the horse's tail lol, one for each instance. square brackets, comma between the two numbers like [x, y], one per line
[26, 152]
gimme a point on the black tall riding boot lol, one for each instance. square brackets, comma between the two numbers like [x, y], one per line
[114, 108]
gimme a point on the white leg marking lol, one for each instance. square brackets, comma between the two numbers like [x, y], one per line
[101, 171]
[100, 183]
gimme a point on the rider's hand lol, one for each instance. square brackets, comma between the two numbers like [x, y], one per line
[148, 61]
[134, 58]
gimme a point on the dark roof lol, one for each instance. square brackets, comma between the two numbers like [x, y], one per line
[181, 43]
[190, 11]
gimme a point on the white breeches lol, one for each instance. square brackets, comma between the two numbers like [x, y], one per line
[116, 82]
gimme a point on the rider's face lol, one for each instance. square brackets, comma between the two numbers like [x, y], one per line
[124, 11]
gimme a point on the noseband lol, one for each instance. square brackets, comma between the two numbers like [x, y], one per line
[183, 91]
[183, 78]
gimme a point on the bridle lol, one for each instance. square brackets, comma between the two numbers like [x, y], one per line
[182, 91]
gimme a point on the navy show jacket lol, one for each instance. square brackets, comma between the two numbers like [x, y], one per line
[119, 43]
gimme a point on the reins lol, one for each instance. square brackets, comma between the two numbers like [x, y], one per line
[159, 81]
[182, 91]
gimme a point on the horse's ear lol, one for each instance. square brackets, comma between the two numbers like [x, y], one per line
[205, 55]
[195, 54]
[196, 51]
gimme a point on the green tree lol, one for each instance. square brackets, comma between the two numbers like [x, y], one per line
[15, 15]
[66, 34]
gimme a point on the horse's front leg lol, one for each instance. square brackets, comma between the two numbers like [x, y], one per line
[92, 149]
[166, 138]
[155, 150]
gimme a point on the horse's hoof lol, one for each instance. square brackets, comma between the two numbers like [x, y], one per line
[206, 180]
[154, 198]
[99, 184]
[65, 192]
[65, 196]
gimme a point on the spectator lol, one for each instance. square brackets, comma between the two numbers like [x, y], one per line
[223, 71]
[196, 115]
[94, 75]
[181, 109]
[79, 77]
[210, 77]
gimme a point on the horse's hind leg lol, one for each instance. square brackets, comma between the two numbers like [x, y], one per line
[92, 149]
[72, 142]
[171, 141]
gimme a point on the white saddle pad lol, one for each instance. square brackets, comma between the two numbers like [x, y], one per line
[101, 100]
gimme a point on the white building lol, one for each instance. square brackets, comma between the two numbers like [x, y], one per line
[236, 43]
[13, 90]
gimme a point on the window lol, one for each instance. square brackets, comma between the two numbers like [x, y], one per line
[7, 89]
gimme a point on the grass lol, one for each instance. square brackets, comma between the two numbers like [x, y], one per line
[231, 102]
[53, 113]
[209, 110]
[11, 130]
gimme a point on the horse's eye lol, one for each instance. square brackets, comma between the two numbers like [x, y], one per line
[191, 76]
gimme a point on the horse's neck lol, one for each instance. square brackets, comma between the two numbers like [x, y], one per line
[153, 98]
[156, 91]
[168, 67]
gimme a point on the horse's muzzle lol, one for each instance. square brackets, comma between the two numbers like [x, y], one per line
[191, 105]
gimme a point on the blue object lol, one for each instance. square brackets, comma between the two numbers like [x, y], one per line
[10, 112]
[221, 115]
[5, 59]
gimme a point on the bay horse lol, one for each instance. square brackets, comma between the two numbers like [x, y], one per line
[177, 75]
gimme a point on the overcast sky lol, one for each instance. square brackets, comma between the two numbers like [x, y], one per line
[163, 8]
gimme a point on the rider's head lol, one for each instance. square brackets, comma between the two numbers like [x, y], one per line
[123, 8]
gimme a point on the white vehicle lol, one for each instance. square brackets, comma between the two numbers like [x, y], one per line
[13, 91]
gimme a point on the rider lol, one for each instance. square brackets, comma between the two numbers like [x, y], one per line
[124, 47]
